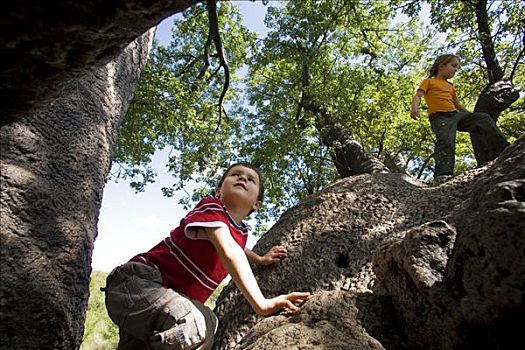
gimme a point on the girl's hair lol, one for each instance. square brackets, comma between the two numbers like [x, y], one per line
[443, 59]
[247, 165]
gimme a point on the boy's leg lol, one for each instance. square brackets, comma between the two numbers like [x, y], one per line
[444, 127]
[141, 307]
[491, 141]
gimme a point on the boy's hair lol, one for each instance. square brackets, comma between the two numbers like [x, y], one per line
[247, 165]
[443, 59]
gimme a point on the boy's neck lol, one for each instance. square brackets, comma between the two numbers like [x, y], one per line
[236, 216]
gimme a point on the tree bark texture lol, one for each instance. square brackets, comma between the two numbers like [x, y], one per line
[54, 164]
[48, 43]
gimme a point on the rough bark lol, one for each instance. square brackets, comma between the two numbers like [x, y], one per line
[394, 263]
[465, 272]
[54, 164]
[46, 44]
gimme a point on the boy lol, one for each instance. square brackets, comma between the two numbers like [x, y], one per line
[157, 298]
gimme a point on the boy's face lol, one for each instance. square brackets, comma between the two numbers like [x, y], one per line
[240, 188]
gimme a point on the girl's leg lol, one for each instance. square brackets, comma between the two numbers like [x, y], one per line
[444, 127]
[491, 141]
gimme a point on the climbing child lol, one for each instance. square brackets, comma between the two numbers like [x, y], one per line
[447, 115]
[157, 297]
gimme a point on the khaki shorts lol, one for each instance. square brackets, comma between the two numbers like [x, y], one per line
[151, 316]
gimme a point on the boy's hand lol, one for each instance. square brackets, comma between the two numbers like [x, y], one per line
[275, 254]
[291, 302]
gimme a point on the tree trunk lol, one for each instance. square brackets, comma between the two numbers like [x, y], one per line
[396, 163]
[350, 158]
[54, 166]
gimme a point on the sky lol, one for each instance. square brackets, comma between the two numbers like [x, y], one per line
[132, 223]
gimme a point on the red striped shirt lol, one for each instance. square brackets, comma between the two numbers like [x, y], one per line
[187, 260]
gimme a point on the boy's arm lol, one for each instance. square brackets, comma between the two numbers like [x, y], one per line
[275, 254]
[414, 108]
[236, 262]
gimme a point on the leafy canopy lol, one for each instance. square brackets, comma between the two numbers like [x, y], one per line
[353, 60]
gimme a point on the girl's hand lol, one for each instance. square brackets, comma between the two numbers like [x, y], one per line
[275, 254]
[414, 113]
[291, 302]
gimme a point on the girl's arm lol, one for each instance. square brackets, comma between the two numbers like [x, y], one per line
[275, 254]
[414, 110]
[458, 105]
[236, 262]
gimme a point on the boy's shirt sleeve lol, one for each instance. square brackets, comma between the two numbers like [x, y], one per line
[209, 212]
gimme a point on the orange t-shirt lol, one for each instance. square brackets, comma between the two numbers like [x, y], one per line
[439, 95]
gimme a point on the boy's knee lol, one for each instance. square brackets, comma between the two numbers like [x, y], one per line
[194, 328]
[210, 321]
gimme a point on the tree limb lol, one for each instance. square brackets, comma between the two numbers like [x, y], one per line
[206, 57]
[214, 33]
[494, 70]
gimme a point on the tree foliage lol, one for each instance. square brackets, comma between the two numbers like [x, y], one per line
[176, 104]
[99, 331]
[327, 72]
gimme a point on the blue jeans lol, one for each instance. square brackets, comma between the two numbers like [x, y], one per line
[445, 124]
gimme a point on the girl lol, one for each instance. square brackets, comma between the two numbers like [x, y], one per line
[447, 115]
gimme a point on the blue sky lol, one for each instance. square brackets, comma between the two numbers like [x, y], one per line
[131, 223]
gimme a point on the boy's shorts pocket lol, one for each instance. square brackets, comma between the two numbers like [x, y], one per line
[188, 324]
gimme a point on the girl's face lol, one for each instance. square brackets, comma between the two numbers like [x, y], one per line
[448, 70]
